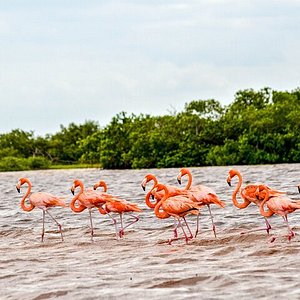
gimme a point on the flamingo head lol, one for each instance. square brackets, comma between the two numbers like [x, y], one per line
[159, 187]
[182, 172]
[101, 183]
[21, 181]
[231, 174]
[146, 179]
[261, 192]
[76, 183]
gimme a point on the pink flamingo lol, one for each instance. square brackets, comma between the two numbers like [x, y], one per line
[177, 206]
[86, 199]
[202, 195]
[41, 200]
[119, 206]
[158, 195]
[248, 194]
[280, 205]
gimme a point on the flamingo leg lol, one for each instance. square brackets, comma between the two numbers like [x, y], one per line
[268, 227]
[212, 221]
[198, 223]
[59, 225]
[43, 229]
[91, 221]
[291, 233]
[175, 228]
[121, 231]
[185, 235]
[188, 227]
[134, 221]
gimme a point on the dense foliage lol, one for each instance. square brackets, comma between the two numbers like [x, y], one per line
[258, 127]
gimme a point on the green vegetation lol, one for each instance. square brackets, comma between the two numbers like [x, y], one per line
[258, 127]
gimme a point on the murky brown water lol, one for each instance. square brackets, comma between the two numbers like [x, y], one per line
[141, 265]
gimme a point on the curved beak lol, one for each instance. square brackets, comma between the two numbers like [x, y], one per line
[143, 187]
[299, 188]
[179, 180]
[72, 190]
[228, 179]
[19, 190]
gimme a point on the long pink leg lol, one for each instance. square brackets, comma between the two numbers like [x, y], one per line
[59, 226]
[136, 219]
[188, 227]
[291, 233]
[185, 235]
[212, 220]
[267, 228]
[43, 229]
[92, 228]
[198, 223]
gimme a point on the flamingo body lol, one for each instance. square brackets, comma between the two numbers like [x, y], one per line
[41, 200]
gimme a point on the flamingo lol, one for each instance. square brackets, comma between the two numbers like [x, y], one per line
[159, 195]
[177, 206]
[280, 205]
[120, 206]
[87, 199]
[41, 200]
[201, 194]
[249, 195]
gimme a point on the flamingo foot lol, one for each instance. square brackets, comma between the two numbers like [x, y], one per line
[175, 233]
[121, 233]
[291, 235]
[214, 230]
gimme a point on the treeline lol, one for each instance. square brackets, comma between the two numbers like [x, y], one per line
[258, 127]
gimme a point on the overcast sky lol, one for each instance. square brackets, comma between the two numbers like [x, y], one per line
[64, 61]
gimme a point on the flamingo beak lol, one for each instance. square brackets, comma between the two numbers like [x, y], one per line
[143, 187]
[228, 179]
[19, 190]
[179, 180]
[72, 191]
[299, 188]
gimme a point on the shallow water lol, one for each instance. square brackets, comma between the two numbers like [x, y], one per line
[142, 264]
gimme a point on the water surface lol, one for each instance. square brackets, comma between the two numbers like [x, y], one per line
[142, 264]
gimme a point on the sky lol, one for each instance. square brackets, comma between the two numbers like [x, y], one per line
[64, 61]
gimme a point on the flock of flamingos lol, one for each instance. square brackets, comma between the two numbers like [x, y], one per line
[166, 201]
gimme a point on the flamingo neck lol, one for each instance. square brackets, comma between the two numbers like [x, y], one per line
[80, 207]
[162, 214]
[23, 204]
[262, 211]
[103, 185]
[189, 184]
[237, 189]
[147, 199]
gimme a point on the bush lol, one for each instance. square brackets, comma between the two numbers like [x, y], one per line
[10, 163]
[38, 162]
